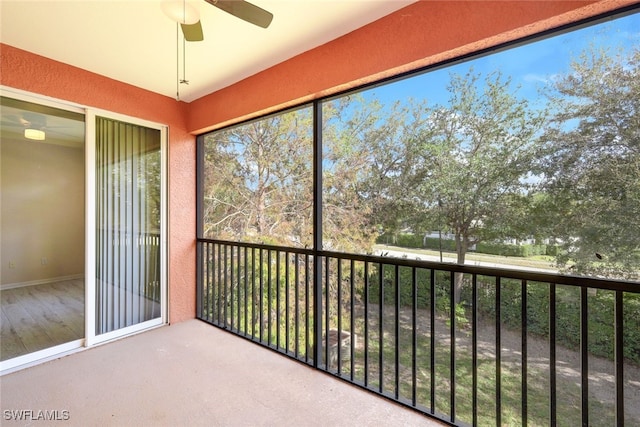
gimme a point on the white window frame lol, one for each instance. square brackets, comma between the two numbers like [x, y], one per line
[90, 336]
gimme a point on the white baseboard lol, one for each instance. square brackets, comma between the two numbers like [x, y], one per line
[41, 281]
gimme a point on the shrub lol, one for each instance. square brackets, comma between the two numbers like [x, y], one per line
[600, 307]
[504, 249]
[435, 243]
[553, 250]
[417, 242]
[600, 311]
[493, 248]
[423, 287]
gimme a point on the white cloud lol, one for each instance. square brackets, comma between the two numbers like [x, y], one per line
[535, 78]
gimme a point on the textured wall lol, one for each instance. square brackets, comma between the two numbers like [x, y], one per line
[423, 33]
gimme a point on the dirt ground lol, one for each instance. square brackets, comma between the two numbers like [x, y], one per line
[601, 370]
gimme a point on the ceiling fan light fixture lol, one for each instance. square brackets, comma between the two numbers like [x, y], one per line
[35, 134]
[181, 12]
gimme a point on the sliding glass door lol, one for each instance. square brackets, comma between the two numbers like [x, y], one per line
[42, 228]
[83, 227]
[83, 220]
[128, 226]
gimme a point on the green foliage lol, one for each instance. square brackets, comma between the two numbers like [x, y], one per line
[462, 320]
[600, 309]
[593, 164]
[504, 249]
[422, 291]
[241, 306]
[600, 306]
[437, 244]
[404, 240]
[471, 159]
[407, 240]
[257, 181]
[553, 250]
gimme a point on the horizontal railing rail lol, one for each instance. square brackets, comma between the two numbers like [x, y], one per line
[468, 345]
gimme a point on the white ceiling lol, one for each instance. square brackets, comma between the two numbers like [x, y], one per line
[135, 42]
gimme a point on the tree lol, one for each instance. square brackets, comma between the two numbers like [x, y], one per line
[593, 164]
[364, 155]
[258, 180]
[473, 161]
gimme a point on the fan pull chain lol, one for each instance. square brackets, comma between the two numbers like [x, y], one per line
[184, 47]
[184, 63]
[177, 62]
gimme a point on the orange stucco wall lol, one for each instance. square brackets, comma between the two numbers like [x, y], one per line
[33, 73]
[421, 34]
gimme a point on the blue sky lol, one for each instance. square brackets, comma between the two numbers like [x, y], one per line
[530, 66]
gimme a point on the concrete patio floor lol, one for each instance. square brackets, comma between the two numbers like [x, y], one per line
[190, 374]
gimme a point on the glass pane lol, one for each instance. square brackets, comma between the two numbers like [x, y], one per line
[258, 181]
[42, 230]
[128, 224]
[524, 157]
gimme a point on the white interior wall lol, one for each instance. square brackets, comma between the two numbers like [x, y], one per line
[42, 212]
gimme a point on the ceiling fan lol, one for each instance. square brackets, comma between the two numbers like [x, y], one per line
[38, 122]
[189, 20]
[32, 124]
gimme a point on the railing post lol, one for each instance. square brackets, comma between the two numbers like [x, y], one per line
[317, 233]
[414, 389]
[619, 357]
[584, 354]
[199, 279]
[199, 226]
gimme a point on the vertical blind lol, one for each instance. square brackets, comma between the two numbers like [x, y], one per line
[128, 210]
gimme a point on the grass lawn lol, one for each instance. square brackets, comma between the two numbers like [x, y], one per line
[568, 393]
[538, 261]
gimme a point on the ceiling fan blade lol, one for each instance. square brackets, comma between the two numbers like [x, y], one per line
[245, 11]
[192, 32]
[10, 124]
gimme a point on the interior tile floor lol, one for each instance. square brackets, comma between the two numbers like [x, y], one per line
[40, 316]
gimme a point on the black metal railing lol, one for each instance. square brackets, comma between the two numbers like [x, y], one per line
[518, 348]
[127, 282]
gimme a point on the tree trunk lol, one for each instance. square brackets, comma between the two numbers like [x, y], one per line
[461, 251]
[261, 221]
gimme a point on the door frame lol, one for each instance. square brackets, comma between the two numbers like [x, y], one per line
[90, 257]
[90, 338]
